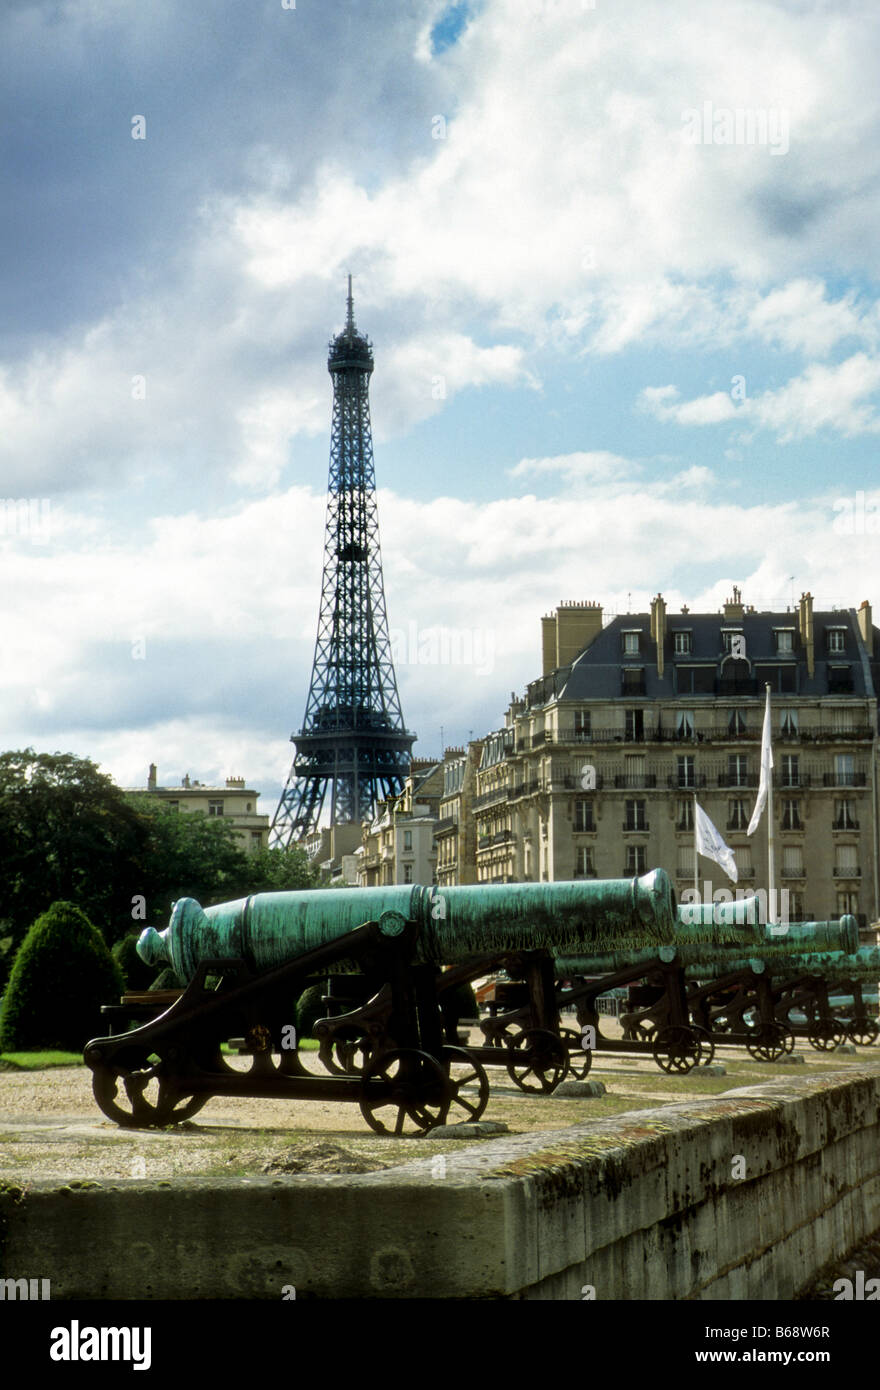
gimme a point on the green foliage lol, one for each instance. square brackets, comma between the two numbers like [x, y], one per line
[63, 973]
[67, 833]
[138, 975]
[280, 871]
[465, 1002]
[309, 1009]
[185, 854]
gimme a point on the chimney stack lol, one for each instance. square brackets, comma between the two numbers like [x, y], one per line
[658, 628]
[866, 627]
[805, 627]
[151, 779]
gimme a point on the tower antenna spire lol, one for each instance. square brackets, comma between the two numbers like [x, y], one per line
[349, 320]
[353, 749]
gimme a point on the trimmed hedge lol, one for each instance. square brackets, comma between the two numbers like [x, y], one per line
[138, 975]
[63, 973]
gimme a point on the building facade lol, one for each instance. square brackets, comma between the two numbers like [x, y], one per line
[234, 801]
[599, 765]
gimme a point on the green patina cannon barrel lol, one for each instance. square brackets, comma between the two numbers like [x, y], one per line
[456, 924]
[740, 912]
[691, 947]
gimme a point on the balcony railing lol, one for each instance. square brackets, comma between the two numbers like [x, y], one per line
[635, 782]
[528, 788]
[793, 779]
[446, 825]
[846, 824]
[737, 779]
[844, 779]
[685, 782]
[634, 828]
[503, 837]
[491, 798]
[843, 871]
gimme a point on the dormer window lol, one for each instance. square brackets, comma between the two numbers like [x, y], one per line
[682, 643]
[784, 641]
[631, 643]
[837, 639]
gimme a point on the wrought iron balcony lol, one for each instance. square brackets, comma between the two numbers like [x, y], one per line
[844, 872]
[844, 779]
[635, 782]
[635, 828]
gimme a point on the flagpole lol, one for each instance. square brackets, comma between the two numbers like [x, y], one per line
[771, 847]
[696, 856]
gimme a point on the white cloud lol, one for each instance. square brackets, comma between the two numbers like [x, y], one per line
[836, 397]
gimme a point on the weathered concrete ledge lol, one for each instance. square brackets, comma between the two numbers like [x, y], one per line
[745, 1196]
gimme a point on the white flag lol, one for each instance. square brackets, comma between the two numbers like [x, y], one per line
[766, 766]
[710, 843]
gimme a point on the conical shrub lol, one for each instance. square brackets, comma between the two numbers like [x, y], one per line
[62, 974]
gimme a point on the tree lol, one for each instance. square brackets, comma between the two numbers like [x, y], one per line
[63, 973]
[67, 833]
[184, 854]
[280, 871]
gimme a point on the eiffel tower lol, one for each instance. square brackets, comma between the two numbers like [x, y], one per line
[353, 741]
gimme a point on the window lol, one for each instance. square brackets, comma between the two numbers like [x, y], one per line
[695, 680]
[631, 643]
[791, 815]
[634, 777]
[685, 864]
[846, 861]
[846, 903]
[795, 906]
[837, 639]
[407, 873]
[685, 819]
[733, 641]
[737, 818]
[256, 837]
[840, 680]
[173, 805]
[844, 770]
[583, 815]
[215, 808]
[584, 866]
[634, 729]
[635, 816]
[842, 721]
[682, 643]
[792, 861]
[687, 776]
[684, 724]
[743, 856]
[582, 722]
[736, 724]
[407, 840]
[636, 860]
[784, 641]
[633, 681]
[788, 723]
[791, 776]
[844, 815]
[737, 770]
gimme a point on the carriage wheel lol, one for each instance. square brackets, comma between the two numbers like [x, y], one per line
[768, 1042]
[462, 1070]
[410, 1087]
[676, 1048]
[537, 1061]
[580, 1058]
[152, 1101]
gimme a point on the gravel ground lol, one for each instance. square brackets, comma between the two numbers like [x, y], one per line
[51, 1127]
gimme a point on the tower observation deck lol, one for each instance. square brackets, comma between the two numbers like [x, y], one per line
[353, 743]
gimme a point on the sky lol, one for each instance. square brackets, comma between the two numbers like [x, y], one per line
[619, 264]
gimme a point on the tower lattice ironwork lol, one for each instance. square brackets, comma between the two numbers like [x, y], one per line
[353, 741]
